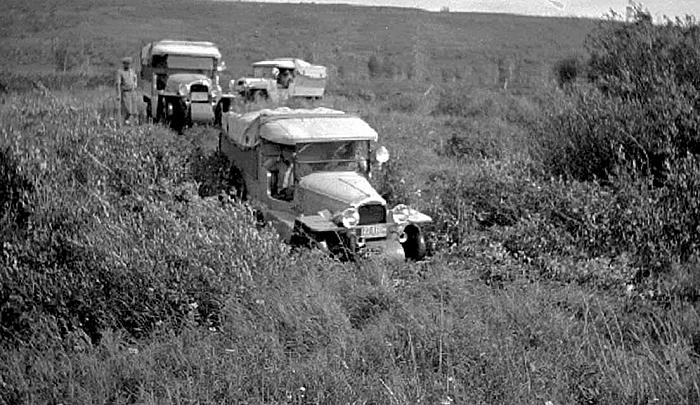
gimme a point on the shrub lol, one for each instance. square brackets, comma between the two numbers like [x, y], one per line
[454, 102]
[493, 138]
[634, 129]
[567, 70]
[15, 193]
[12, 82]
[374, 66]
[405, 103]
[119, 238]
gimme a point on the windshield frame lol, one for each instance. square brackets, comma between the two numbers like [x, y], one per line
[161, 63]
[361, 158]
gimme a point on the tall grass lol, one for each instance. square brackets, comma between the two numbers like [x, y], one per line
[124, 285]
[128, 276]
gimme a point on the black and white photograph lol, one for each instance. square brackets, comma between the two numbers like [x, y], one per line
[351, 202]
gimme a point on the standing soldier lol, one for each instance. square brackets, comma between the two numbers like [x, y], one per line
[126, 90]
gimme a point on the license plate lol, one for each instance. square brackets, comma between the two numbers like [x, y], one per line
[199, 97]
[373, 231]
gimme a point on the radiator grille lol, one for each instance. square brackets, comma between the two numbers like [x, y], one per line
[372, 214]
[199, 88]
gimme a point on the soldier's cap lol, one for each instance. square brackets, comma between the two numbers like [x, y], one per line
[126, 60]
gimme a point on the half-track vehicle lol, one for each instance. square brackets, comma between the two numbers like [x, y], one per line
[180, 82]
[280, 79]
[309, 170]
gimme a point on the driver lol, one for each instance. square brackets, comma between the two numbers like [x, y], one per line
[281, 169]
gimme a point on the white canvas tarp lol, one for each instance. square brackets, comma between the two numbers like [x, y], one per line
[302, 67]
[293, 126]
[188, 48]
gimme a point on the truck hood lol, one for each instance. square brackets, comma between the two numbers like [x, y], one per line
[187, 79]
[338, 190]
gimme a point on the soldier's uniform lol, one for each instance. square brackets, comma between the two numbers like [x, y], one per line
[126, 90]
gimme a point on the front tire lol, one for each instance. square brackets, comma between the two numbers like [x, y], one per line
[415, 247]
[149, 113]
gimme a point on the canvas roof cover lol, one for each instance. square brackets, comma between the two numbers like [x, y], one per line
[302, 66]
[189, 48]
[293, 126]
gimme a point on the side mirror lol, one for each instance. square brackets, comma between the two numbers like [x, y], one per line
[221, 67]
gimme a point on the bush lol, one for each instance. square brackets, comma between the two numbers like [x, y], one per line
[119, 238]
[493, 138]
[648, 68]
[634, 129]
[11, 82]
[15, 193]
[567, 70]
[405, 103]
[463, 102]
[374, 66]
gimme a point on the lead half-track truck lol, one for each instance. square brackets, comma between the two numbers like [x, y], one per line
[309, 171]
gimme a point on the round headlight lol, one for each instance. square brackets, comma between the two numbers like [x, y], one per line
[400, 213]
[183, 90]
[350, 217]
[381, 155]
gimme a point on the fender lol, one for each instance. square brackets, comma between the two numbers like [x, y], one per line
[417, 217]
[318, 224]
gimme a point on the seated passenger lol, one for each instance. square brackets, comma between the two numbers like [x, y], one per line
[284, 78]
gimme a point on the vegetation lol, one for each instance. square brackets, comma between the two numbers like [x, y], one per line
[565, 251]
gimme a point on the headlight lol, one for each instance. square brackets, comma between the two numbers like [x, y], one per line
[400, 213]
[350, 217]
[183, 90]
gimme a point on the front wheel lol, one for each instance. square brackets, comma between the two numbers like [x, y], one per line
[343, 247]
[415, 247]
[149, 113]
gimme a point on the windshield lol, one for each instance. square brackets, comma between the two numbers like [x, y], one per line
[332, 156]
[184, 62]
[262, 72]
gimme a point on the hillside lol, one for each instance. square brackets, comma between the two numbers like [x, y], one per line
[92, 36]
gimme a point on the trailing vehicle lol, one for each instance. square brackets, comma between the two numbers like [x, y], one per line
[180, 82]
[280, 79]
[309, 170]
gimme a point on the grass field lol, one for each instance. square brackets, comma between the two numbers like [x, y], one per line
[91, 36]
[122, 284]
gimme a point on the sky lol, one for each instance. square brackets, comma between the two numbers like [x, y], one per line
[578, 8]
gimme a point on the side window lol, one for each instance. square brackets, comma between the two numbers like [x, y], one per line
[159, 61]
[161, 80]
[279, 171]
